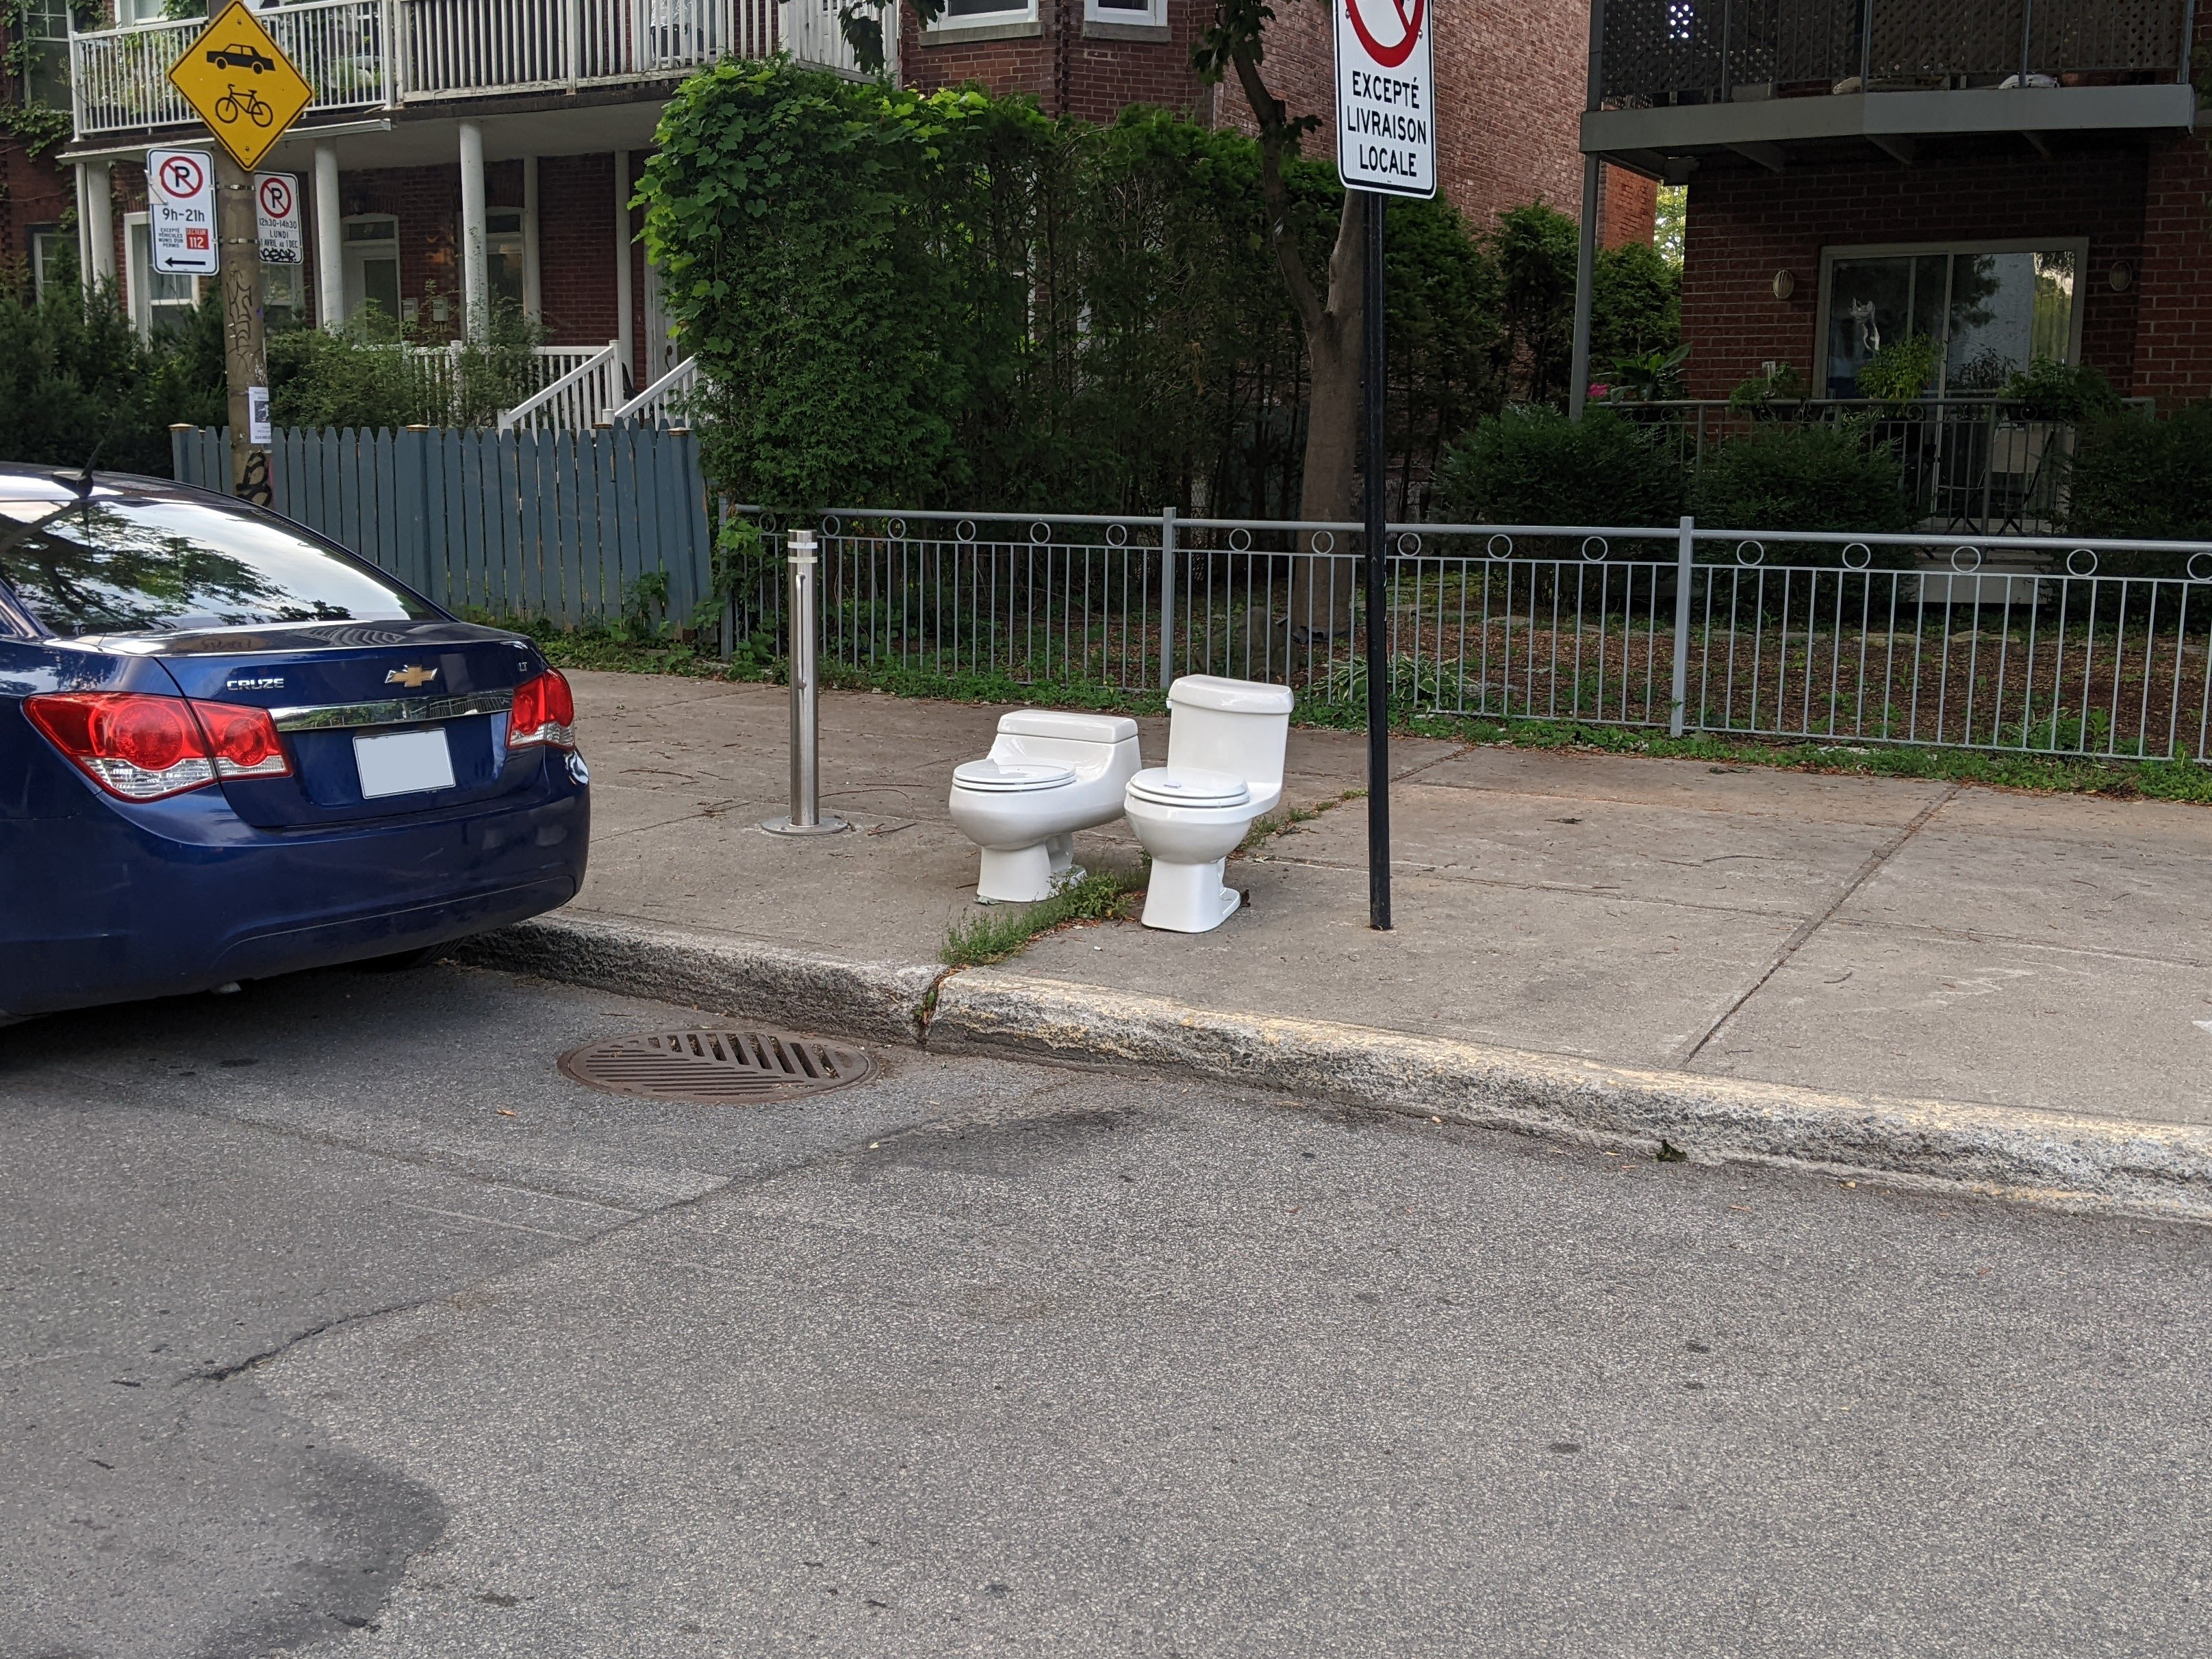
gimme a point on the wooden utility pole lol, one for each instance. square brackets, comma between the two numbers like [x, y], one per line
[246, 360]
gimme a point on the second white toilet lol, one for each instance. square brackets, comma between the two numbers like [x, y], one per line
[1226, 742]
[1049, 774]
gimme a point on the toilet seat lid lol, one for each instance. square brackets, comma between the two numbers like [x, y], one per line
[1167, 788]
[1010, 777]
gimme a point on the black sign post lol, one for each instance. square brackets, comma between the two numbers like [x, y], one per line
[1376, 469]
[1386, 146]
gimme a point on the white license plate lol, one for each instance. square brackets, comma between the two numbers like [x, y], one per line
[404, 763]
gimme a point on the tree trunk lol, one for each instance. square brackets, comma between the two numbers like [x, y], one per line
[1321, 587]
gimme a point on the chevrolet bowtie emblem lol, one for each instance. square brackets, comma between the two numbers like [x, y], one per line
[410, 676]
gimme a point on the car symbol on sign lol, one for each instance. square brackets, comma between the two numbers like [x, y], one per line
[240, 57]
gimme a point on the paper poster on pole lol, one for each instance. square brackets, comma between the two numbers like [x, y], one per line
[181, 212]
[277, 218]
[1386, 127]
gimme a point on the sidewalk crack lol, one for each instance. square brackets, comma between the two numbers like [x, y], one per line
[1804, 931]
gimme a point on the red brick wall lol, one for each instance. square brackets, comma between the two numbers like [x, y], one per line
[1511, 81]
[1746, 223]
[34, 193]
[1067, 71]
[1628, 208]
[2173, 289]
[575, 238]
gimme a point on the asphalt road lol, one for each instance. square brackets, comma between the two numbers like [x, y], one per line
[333, 1319]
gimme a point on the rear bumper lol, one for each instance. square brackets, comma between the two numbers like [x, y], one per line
[182, 896]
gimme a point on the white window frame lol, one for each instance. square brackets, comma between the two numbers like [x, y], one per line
[2077, 245]
[1021, 16]
[347, 246]
[138, 275]
[41, 240]
[1153, 14]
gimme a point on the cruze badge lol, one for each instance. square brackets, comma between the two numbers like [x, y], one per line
[410, 676]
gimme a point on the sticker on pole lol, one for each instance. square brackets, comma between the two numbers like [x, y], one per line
[180, 212]
[1386, 127]
[237, 79]
[277, 218]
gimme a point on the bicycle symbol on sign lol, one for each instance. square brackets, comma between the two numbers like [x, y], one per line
[249, 103]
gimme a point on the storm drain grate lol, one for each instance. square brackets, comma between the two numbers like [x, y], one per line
[716, 1068]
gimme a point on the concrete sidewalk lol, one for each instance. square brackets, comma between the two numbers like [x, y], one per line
[1871, 940]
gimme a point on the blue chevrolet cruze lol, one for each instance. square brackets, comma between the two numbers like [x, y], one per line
[229, 749]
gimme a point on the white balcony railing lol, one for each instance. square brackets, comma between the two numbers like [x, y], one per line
[118, 78]
[367, 53]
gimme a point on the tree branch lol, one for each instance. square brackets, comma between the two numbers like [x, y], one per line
[1275, 139]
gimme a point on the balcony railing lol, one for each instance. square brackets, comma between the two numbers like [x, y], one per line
[118, 78]
[362, 54]
[1714, 50]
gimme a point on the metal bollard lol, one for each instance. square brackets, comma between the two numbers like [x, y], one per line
[805, 627]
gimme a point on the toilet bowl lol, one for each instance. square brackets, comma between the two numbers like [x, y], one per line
[1049, 775]
[1225, 741]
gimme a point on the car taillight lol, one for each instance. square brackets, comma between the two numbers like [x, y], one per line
[544, 714]
[145, 748]
[242, 740]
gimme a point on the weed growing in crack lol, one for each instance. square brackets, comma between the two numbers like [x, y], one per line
[975, 941]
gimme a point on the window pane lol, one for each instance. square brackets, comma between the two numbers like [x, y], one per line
[371, 230]
[123, 566]
[379, 284]
[1992, 319]
[2054, 305]
[985, 7]
[503, 264]
[1869, 304]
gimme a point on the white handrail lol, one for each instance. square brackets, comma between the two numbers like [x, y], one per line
[652, 403]
[578, 400]
[118, 77]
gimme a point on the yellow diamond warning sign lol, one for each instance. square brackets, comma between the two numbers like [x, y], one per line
[241, 83]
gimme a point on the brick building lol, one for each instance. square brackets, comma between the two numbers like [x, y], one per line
[1510, 85]
[2017, 185]
[35, 195]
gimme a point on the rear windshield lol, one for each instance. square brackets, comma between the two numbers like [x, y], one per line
[120, 566]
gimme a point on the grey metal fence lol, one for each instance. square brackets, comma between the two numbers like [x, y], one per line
[2039, 645]
[575, 527]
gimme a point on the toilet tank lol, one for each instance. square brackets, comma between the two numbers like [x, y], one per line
[1237, 726]
[1082, 743]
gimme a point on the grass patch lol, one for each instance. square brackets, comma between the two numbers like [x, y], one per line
[976, 941]
[1264, 831]
[2123, 780]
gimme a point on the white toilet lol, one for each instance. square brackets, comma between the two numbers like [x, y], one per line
[1224, 769]
[1049, 775]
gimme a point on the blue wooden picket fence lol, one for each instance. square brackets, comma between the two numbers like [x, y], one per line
[512, 524]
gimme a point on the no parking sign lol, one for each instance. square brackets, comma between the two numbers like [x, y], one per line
[276, 217]
[180, 212]
[1386, 127]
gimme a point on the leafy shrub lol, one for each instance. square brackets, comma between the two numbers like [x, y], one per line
[2050, 391]
[1762, 394]
[2136, 476]
[1788, 475]
[364, 375]
[1902, 371]
[75, 376]
[1535, 466]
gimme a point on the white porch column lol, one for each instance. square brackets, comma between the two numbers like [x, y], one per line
[623, 297]
[476, 279]
[533, 289]
[95, 217]
[330, 240]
